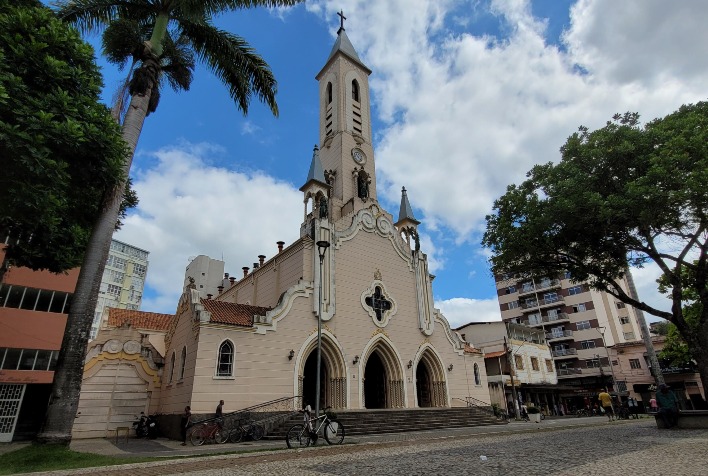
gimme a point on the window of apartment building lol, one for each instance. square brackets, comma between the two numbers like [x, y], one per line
[32, 299]
[580, 307]
[113, 290]
[624, 320]
[115, 262]
[534, 364]
[568, 275]
[27, 359]
[534, 318]
[582, 325]
[549, 365]
[513, 304]
[553, 313]
[587, 344]
[620, 305]
[629, 335]
[550, 297]
[545, 282]
[593, 363]
[527, 286]
[139, 269]
[511, 289]
[530, 302]
[575, 290]
[635, 364]
[519, 362]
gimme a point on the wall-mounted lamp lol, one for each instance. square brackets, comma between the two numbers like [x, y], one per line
[291, 354]
[449, 367]
[356, 359]
[410, 364]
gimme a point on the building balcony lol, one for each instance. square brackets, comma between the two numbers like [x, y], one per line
[559, 317]
[542, 303]
[568, 372]
[559, 335]
[567, 353]
[540, 286]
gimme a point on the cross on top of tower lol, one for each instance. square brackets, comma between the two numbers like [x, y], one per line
[341, 20]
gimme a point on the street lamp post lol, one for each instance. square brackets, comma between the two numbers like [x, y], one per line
[601, 330]
[322, 246]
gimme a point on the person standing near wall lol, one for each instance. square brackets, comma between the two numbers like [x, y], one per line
[185, 422]
[668, 406]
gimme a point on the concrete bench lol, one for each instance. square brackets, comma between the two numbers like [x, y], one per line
[687, 419]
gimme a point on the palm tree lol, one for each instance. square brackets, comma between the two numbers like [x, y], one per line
[160, 39]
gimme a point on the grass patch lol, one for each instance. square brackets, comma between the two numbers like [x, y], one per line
[35, 458]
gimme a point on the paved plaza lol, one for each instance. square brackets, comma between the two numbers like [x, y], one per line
[587, 446]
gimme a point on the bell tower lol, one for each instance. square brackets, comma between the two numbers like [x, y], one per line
[346, 152]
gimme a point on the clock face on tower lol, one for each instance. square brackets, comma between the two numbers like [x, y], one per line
[358, 156]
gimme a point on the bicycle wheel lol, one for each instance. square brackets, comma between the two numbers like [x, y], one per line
[297, 437]
[198, 437]
[257, 432]
[221, 435]
[236, 435]
[334, 433]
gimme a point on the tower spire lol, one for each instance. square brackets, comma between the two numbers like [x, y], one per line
[406, 212]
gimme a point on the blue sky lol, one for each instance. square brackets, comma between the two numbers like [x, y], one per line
[466, 97]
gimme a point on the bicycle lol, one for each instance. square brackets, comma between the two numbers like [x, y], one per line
[208, 431]
[300, 435]
[246, 430]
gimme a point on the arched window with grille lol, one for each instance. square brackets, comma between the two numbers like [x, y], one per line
[477, 379]
[225, 363]
[183, 362]
[355, 90]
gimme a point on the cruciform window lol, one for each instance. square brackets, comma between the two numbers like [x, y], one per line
[378, 303]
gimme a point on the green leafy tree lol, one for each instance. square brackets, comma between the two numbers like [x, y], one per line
[60, 149]
[161, 40]
[623, 194]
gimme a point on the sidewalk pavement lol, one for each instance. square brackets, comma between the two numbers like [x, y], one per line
[172, 449]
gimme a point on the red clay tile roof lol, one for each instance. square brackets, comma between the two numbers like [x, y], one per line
[471, 350]
[139, 319]
[223, 312]
[492, 355]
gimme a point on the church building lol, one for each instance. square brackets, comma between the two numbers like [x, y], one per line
[356, 269]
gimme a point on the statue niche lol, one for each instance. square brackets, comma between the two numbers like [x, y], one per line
[362, 183]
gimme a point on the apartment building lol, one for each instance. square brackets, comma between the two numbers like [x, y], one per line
[579, 324]
[518, 363]
[122, 283]
[33, 312]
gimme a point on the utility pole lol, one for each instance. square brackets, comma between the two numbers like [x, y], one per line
[509, 355]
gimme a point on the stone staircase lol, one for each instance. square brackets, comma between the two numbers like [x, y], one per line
[366, 422]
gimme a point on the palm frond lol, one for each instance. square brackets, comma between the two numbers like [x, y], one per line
[178, 62]
[234, 62]
[190, 8]
[89, 16]
[120, 40]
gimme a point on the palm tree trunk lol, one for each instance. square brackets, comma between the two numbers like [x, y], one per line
[64, 399]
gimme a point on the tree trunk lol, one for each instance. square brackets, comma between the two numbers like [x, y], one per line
[66, 389]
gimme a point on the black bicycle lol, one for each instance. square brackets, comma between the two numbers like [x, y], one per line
[247, 430]
[301, 435]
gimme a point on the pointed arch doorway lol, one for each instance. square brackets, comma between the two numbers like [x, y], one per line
[309, 381]
[424, 385]
[375, 382]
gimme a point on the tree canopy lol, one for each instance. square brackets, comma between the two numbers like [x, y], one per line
[60, 149]
[621, 195]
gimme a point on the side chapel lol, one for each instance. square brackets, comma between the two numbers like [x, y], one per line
[383, 343]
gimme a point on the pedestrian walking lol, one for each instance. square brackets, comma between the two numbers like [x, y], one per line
[185, 423]
[219, 414]
[653, 406]
[606, 402]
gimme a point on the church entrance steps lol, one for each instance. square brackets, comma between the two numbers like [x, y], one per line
[365, 422]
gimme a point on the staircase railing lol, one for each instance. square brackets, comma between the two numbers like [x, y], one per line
[484, 407]
[266, 414]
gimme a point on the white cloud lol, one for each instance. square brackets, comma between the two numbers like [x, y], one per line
[645, 282]
[188, 207]
[249, 128]
[460, 311]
